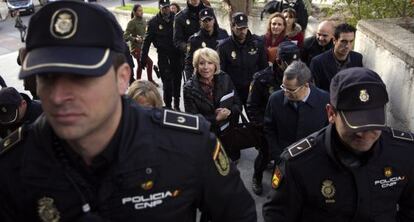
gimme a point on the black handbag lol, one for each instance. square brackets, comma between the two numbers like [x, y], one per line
[242, 135]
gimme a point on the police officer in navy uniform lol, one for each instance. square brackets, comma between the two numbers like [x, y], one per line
[209, 36]
[242, 55]
[160, 34]
[355, 169]
[98, 156]
[264, 83]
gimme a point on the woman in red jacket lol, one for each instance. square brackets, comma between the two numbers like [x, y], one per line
[293, 30]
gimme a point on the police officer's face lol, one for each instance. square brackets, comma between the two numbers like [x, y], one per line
[206, 68]
[194, 2]
[324, 34]
[343, 45]
[276, 25]
[79, 108]
[207, 24]
[239, 33]
[165, 10]
[357, 141]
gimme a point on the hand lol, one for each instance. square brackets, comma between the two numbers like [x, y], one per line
[222, 113]
[138, 39]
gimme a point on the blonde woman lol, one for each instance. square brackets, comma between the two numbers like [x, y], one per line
[211, 93]
[145, 93]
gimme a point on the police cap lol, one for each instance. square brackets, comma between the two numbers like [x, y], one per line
[360, 95]
[288, 51]
[239, 19]
[206, 13]
[72, 37]
[10, 100]
[164, 3]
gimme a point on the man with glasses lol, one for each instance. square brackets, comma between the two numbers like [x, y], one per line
[209, 36]
[319, 43]
[355, 169]
[325, 66]
[264, 83]
[295, 111]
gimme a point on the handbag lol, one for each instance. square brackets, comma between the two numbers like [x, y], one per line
[242, 135]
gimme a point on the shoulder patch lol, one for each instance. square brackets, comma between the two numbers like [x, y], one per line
[220, 159]
[277, 177]
[8, 142]
[402, 135]
[181, 120]
[299, 147]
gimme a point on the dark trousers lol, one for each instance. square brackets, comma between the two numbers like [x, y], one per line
[170, 71]
[261, 161]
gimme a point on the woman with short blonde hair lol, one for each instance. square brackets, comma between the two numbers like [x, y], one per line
[211, 93]
[145, 93]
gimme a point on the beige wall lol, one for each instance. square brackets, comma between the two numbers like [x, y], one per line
[389, 50]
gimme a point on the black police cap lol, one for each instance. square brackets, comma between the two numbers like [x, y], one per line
[239, 19]
[360, 96]
[164, 3]
[72, 37]
[288, 51]
[10, 100]
[206, 13]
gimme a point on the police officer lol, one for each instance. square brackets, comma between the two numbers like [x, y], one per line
[186, 23]
[355, 169]
[208, 36]
[242, 55]
[264, 83]
[97, 156]
[16, 109]
[160, 34]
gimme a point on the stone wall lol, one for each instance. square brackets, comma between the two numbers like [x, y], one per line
[388, 49]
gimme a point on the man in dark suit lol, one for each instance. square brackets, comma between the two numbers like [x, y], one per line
[325, 66]
[295, 111]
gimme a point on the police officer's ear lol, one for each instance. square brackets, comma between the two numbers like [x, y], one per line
[331, 112]
[123, 74]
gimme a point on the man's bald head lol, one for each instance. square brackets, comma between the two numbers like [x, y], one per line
[325, 32]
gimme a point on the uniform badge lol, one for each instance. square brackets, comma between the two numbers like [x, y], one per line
[252, 51]
[187, 21]
[363, 95]
[328, 191]
[148, 185]
[188, 47]
[4, 109]
[203, 44]
[160, 27]
[271, 90]
[47, 210]
[233, 54]
[64, 23]
[388, 171]
[276, 178]
[221, 160]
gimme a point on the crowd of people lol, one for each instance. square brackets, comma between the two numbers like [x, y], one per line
[101, 145]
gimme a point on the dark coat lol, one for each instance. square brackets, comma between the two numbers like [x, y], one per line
[186, 23]
[160, 34]
[199, 40]
[283, 124]
[311, 49]
[241, 61]
[161, 166]
[264, 83]
[324, 67]
[196, 101]
[316, 186]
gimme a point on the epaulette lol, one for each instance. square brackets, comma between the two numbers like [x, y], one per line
[299, 147]
[11, 140]
[178, 120]
[402, 135]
